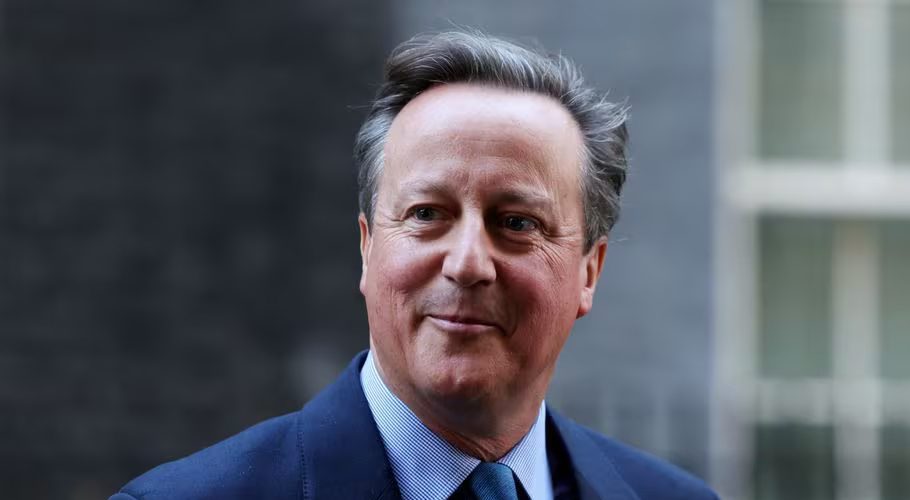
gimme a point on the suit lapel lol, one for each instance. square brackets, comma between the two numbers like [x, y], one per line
[341, 451]
[342, 454]
[595, 474]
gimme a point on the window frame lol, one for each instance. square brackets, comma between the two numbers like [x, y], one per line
[862, 187]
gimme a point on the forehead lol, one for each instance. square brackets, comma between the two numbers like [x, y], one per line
[481, 127]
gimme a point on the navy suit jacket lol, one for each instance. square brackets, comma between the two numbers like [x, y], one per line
[331, 448]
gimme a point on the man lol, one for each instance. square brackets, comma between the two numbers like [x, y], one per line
[489, 180]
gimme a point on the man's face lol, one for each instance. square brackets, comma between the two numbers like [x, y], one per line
[474, 269]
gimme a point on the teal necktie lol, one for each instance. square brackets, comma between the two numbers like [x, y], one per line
[492, 481]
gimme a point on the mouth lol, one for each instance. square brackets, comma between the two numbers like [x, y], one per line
[462, 324]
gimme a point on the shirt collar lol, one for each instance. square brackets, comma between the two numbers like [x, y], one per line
[428, 467]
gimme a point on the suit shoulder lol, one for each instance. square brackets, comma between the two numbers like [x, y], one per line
[260, 462]
[649, 476]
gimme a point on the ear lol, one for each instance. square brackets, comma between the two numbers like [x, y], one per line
[366, 241]
[593, 264]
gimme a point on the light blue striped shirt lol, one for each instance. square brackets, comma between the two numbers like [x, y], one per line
[429, 468]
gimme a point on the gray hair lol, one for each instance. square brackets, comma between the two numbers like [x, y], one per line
[473, 57]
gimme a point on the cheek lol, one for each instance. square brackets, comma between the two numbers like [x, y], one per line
[402, 267]
[547, 306]
[395, 276]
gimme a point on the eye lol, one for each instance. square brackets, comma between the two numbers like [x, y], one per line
[518, 223]
[425, 214]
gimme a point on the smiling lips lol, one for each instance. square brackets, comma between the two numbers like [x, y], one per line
[460, 324]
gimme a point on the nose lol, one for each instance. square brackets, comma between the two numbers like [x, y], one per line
[469, 258]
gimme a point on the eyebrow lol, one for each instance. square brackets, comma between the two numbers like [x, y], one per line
[528, 197]
[531, 198]
[423, 187]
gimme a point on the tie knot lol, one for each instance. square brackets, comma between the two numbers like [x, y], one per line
[492, 481]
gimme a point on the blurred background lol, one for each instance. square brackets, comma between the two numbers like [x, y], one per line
[179, 251]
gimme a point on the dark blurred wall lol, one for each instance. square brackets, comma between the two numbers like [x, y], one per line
[178, 225]
[178, 221]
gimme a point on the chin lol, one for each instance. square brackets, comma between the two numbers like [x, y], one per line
[463, 381]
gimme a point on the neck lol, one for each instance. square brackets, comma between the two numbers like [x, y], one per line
[480, 439]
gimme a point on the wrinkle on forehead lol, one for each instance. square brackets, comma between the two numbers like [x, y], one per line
[490, 129]
[514, 150]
